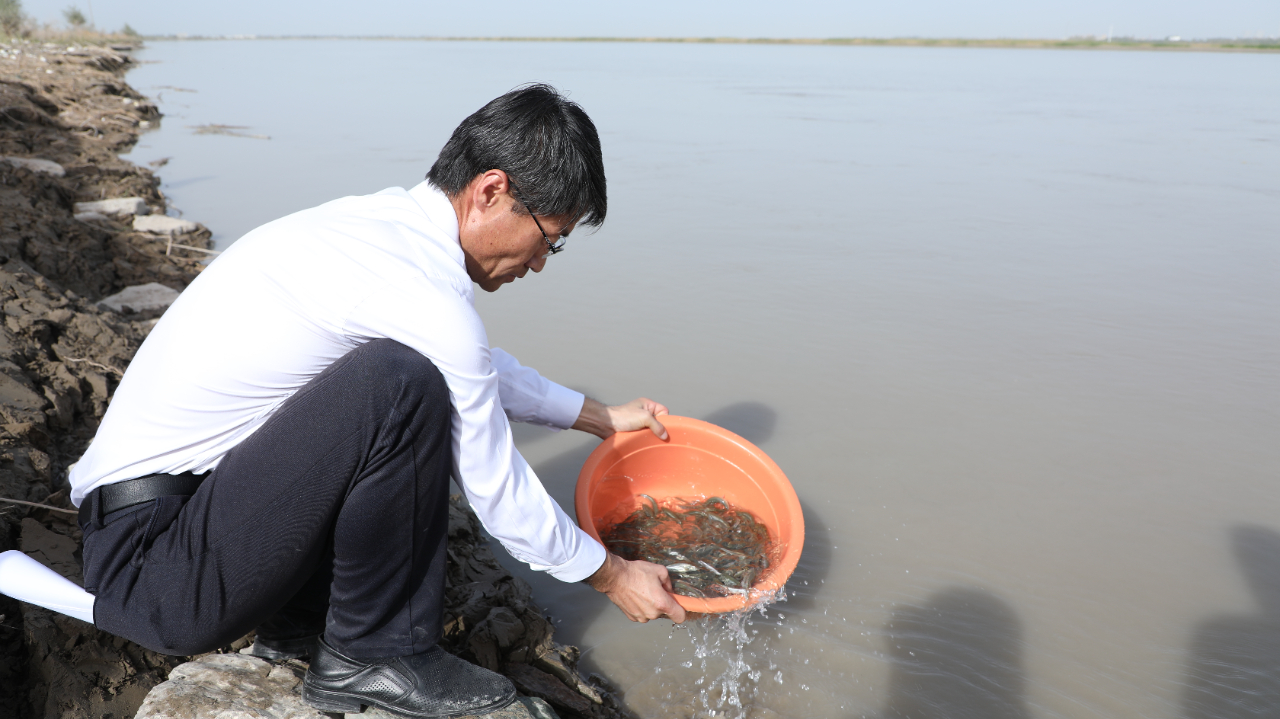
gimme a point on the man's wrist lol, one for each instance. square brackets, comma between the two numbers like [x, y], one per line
[602, 579]
[594, 419]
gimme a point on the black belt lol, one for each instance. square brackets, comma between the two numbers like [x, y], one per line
[119, 495]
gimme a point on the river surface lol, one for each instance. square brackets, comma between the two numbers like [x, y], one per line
[1008, 319]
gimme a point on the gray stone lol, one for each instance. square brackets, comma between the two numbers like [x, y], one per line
[151, 297]
[228, 686]
[115, 208]
[48, 167]
[91, 216]
[236, 686]
[163, 225]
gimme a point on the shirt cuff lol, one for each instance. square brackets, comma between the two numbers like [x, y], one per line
[562, 406]
[586, 563]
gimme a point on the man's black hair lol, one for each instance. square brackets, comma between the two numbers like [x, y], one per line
[545, 143]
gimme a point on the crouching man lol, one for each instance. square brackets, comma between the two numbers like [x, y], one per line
[278, 455]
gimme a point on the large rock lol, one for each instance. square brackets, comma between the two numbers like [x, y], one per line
[228, 686]
[151, 298]
[117, 207]
[163, 225]
[236, 686]
[48, 167]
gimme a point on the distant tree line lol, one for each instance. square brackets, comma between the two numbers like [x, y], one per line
[11, 18]
[15, 23]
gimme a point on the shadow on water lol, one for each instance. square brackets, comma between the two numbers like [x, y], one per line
[1234, 668]
[752, 421]
[958, 656]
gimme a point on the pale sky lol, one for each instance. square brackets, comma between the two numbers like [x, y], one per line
[685, 18]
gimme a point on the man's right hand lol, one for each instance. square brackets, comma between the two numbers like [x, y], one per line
[642, 590]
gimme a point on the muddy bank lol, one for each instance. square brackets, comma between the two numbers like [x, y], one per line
[65, 114]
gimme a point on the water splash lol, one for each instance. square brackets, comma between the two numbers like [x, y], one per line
[722, 640]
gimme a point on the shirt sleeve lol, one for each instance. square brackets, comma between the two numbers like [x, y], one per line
[501, 487]
[531, 398]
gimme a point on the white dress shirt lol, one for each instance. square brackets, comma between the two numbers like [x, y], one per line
[290, 298]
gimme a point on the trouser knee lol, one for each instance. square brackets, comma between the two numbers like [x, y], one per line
[400, 368]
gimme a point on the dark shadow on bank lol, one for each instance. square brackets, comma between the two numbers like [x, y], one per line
[1234, 667]
[957, 656]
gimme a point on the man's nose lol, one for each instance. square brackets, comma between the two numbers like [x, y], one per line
[537, 263]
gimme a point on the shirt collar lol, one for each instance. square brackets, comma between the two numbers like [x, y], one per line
[437, 207]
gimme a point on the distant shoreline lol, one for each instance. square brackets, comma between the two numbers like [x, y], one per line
[1225, 45]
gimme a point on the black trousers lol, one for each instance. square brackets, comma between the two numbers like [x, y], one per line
[339, 499]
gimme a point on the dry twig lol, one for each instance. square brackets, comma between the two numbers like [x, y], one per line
[99, 365]
[40, 506]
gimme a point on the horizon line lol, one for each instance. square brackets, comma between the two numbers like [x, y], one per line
[1171, 41]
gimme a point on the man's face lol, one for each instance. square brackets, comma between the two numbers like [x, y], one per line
[501, 245]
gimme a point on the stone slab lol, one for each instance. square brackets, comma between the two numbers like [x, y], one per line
[163, 225]
[151, 297]
[115, 207]
[48, 167]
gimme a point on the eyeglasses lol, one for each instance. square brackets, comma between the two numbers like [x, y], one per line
[552, 247]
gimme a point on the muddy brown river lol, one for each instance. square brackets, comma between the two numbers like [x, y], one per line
[1009, 320]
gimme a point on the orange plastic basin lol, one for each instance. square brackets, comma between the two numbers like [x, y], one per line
[700, 460]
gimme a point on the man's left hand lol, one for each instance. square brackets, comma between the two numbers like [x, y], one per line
[602, 420]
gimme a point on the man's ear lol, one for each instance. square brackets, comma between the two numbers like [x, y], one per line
[488, 189]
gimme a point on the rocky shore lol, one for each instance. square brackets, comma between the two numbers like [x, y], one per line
[81, 230]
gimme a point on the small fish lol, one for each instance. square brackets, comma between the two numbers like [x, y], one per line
[688, 590]
[650, 512]
[720, 552]
[717, 520]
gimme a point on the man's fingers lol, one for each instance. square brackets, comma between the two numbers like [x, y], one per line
[666, 580]
[674, 611]
[657, 427]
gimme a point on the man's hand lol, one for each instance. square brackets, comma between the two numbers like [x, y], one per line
[603, 421]
[640, 589]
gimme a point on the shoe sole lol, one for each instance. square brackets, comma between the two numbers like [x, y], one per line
[327, 701]
[341, 703]
[287, 649]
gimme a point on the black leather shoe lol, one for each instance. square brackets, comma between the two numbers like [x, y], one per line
[431, 684]
[290, 633]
